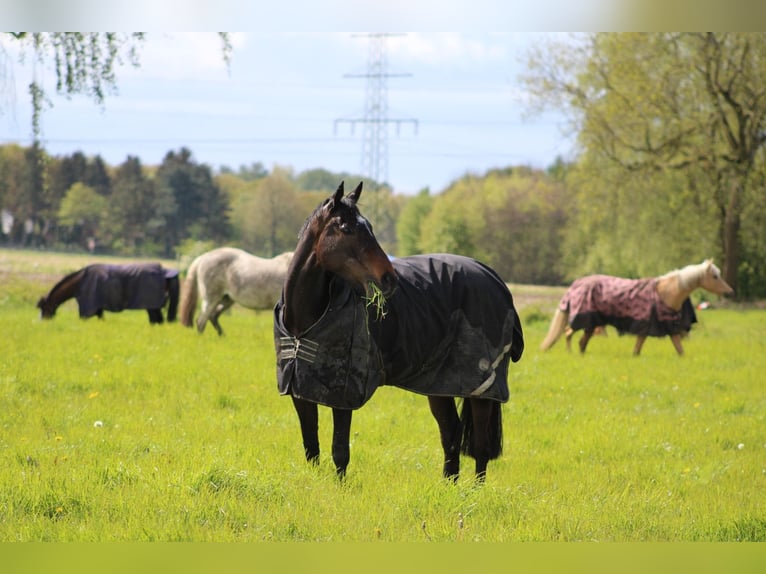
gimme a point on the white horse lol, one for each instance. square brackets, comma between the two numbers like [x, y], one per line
[654, 307]
[227, 275]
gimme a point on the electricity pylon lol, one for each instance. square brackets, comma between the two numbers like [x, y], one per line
[375, 119]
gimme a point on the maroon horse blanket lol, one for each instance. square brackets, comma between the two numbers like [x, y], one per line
[631, 305]
[449, 329]
[117, 287]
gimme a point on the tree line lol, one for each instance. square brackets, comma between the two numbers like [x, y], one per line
[511, 218]
[533, 226]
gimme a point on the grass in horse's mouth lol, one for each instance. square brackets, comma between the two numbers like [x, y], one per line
[376, 299]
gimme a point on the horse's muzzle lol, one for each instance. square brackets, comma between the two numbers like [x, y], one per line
[388, 283]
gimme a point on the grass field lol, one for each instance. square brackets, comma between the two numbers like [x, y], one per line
[115, 430]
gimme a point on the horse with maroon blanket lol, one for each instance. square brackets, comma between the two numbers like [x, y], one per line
[102, 287]
[351, 319]
[653, 307]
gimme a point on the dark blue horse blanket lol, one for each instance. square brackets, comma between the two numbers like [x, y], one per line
[449, 329]
[117, 287]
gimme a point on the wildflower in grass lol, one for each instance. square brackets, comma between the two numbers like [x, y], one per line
[98, 424]
[58, 438]
[740, 446]
[93, 395]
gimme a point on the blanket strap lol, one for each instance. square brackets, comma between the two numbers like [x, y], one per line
[293, 348]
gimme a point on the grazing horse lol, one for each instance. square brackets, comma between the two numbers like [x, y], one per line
[351, 319]
[102, 287]
[653, 307]
[227, 275]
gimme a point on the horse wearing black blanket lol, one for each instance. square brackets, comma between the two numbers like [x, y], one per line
[350, 319]
[102, 287]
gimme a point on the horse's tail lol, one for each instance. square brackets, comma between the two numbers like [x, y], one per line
[189, 295]
[557, 328]
[494, 429]
[173, 288]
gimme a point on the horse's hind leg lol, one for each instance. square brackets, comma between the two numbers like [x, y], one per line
[308, 416]
[444, 411]
[155, 316]
[207, 310]
[676, 339]
[225, 303]
[587, 334]
[639, 343]
[341, 419]
[485, 437]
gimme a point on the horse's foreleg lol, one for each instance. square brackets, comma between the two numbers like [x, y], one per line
[155, 316]
[341, 420]
[639, 343]
[444, 411]
[308, 415]
[587, 334]
[676, 339]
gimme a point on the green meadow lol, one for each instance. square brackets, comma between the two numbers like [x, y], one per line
[117, 430]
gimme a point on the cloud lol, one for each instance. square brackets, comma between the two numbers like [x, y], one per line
[447, 48]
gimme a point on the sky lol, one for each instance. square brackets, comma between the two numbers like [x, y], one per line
[280, 99]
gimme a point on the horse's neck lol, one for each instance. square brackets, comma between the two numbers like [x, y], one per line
[64, 290]
[673, 291]
[306, 293]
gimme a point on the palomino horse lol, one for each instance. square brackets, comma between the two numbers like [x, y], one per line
[227, 275]
[653, 307]
[351, 319]
[102, 287]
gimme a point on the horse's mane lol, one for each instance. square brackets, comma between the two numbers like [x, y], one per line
[66, 278]
[318, 208]
[691, 274]
[310, 218]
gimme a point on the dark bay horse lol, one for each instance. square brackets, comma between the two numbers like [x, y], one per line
[655, 307]
[351, 319]
[102, 287]
[226, 275]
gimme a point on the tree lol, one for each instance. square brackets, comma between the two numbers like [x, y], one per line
[191, 203]
[410, 220]
[272, 215]
[97, 176]
[649, 104]
[132, 208]
[15, 184]
[253, 172]
[82, 211]
[83, 63]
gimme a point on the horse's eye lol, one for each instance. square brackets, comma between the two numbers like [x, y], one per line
[345, 228]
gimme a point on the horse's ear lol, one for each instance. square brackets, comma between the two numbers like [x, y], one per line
[338, 194]
[354, 196]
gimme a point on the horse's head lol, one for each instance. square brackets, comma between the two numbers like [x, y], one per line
[47, 310]
[345, 244]
[712, 281]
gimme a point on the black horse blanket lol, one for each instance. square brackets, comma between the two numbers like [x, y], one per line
[118, 287]
[631, 305]
[449, 329]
